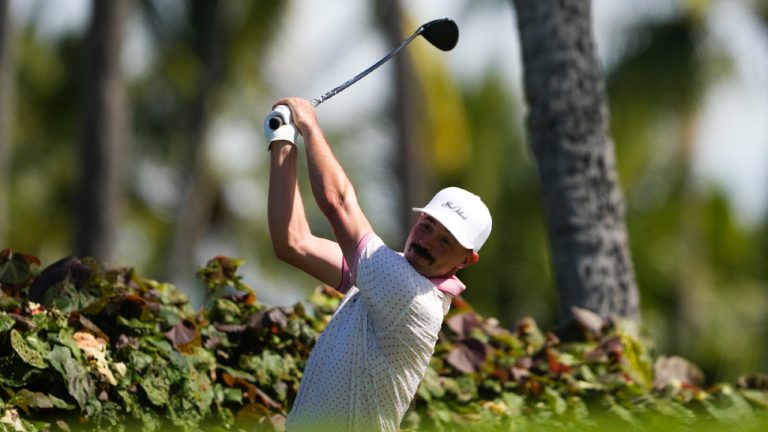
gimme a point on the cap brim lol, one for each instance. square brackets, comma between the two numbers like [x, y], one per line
[446, 222]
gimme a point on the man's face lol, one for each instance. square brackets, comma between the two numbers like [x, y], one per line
[433, 251]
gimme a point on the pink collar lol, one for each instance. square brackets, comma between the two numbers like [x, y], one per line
[449, 285]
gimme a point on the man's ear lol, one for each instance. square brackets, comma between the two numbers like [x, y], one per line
[471, 259]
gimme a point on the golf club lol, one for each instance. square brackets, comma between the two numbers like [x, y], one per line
[442, 33]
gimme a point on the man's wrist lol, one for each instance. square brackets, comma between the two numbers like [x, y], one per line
[280, 146]
[310, 132]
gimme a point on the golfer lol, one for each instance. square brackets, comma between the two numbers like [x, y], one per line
[364, 370]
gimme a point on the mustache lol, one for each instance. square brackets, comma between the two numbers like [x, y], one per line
[420, 251]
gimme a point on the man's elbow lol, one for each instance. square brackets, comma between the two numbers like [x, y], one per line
[282, 250]
[334, 206]
[287, 251]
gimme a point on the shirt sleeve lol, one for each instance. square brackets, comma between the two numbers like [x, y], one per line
[346, 279]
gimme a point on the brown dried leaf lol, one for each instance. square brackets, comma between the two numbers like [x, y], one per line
[610, 349]
[183, 336]
[467, 356]
[463, 324]
[676, 370]
[591, 323]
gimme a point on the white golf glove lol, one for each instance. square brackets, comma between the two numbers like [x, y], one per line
[285, 131]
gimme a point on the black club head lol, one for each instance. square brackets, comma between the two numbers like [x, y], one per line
[442, 33]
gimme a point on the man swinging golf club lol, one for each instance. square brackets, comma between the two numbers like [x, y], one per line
[364, 370]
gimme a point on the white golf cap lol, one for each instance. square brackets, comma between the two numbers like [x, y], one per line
[463, 214]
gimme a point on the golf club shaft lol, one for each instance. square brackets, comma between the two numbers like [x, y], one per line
[442, 33]
[277, 121]
[317, 101]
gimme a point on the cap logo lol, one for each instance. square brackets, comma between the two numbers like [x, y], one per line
[455, 209]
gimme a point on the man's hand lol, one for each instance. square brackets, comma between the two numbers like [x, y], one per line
[286, 132]
[302, 112]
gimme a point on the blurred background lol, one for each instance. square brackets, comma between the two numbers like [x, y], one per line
[132, 131]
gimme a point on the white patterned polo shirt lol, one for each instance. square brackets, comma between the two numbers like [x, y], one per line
[364, 370]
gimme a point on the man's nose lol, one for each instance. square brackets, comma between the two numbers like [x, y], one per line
[428, 242]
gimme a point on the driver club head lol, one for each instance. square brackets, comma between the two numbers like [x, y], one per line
[442, 33]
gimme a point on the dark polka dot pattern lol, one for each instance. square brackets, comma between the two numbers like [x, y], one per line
[367, 364]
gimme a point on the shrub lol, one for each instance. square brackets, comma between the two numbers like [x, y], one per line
[83, 346]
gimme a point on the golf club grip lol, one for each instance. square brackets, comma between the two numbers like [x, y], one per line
[279, 116]
[276, 118]
[275, 122]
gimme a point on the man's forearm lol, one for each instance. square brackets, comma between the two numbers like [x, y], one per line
[330, 185]
[285, 211]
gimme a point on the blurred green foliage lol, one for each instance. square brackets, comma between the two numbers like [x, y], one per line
[699, 267]
[110, 350]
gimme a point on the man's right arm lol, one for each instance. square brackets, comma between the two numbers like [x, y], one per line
[292, 240]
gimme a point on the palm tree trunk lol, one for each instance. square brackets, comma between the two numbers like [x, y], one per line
[199, 190]
[104, 132]
[569, 133]
[7, 69]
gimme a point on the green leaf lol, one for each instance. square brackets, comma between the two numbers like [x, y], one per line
[17, 268]
[170, 316]
[66, 338]
[28, 354]
[156, 385]
[237, 373]
[618, 410]
[221, 272]
[757, 397]
[727, 405]
[268, 367]
[41, 400]
[78, 381]
[161, 346]
[6, 323]
[225, 311]
[233, 395]
[673, 409]
[139, 360]
[640, 367]
[199, 386]
[170, 295]
[64, 297]
[60, 403]
[430, 386]
[141, 327]
[556, 403]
